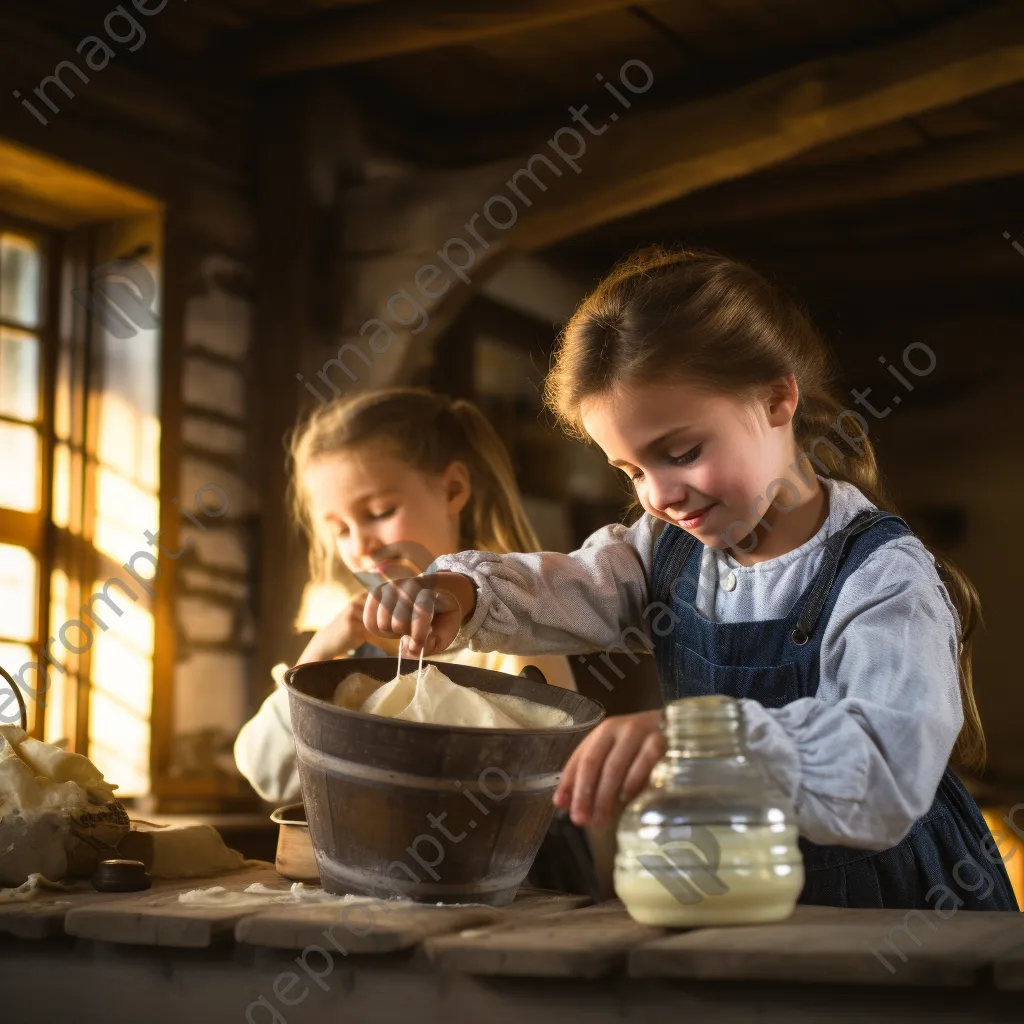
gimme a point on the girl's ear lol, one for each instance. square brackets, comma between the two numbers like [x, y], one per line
[783, 397]
[457, 488]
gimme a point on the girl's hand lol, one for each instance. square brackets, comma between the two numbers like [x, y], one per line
[429, 609]
[342, 635]
[610, 767]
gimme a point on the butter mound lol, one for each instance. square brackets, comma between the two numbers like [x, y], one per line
[429, 696]
[181, 851]
[37, 778]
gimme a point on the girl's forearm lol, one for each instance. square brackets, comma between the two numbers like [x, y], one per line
[553, 603]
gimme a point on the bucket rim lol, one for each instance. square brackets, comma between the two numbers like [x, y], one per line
[469, 730]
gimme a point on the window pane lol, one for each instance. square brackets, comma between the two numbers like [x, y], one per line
[119, 669]
[17, 593]
[12, 657]
[19, 481]
[60, 610]
[19, 374]
[119, 744]
[63, 687]
[129, 441]
[20, 266]
[121, 696]
[56, 726]
[123, 513]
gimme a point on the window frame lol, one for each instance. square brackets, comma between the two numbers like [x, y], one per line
[34, 530]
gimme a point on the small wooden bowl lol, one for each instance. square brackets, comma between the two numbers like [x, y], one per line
[295, 858]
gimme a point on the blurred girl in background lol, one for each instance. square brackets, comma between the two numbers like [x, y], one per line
[383, 483]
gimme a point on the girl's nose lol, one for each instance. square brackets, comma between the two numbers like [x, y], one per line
[368, 544]
[663, 492]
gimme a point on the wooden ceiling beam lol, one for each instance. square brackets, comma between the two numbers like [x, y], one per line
[651, 158]
[410, 26]
[938, 165]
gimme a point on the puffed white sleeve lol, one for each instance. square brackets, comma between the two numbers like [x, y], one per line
[265, 751]
[551, 603]
[862, 760]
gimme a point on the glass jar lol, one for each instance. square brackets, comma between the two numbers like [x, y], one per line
[710, 841]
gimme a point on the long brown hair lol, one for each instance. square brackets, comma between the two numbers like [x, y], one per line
[713, 320]
[426, 431]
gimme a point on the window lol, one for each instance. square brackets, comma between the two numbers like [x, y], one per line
[80, 457]
[25, 343]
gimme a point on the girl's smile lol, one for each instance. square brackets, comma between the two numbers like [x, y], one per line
[695, 519]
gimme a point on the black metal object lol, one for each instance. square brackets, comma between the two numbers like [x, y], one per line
[18, 697]
[437, 813]
[121, 876]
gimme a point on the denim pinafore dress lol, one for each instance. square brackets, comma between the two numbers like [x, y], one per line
[776, 661]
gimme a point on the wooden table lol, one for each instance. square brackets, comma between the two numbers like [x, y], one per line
[148, 958]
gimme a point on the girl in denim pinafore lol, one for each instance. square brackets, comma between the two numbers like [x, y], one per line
[847, 640]
[776, 662]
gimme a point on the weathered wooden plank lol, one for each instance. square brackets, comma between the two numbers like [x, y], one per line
[585, 943]
[43, 917]
[1008, 970]
[860, 947]
[158, 918]
[364, 927]
[383, 926]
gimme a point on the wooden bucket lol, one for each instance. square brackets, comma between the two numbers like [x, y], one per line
[438, 814]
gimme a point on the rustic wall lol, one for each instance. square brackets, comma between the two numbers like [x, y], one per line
[216, 583]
